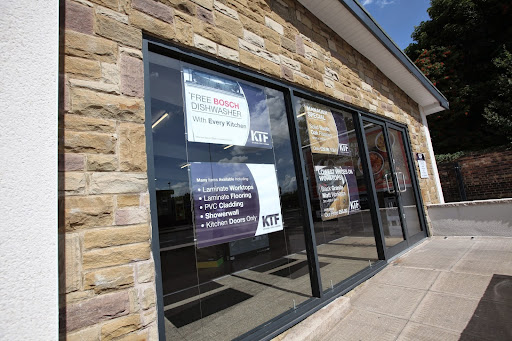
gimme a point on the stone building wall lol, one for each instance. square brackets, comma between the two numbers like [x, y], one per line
[107, 283]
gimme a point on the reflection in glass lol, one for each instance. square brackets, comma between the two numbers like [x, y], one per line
[221, 291]
[384, 186]
[345, 243]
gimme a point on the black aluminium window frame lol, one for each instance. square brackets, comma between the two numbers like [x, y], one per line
[319, 299]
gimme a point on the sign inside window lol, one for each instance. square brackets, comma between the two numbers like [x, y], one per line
[327, 132]
[234, 201]
[224, 111]
[337, 191]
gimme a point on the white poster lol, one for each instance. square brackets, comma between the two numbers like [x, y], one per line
[223, 111]
[422, 164]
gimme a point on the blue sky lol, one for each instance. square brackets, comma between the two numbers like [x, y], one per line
[398, 17]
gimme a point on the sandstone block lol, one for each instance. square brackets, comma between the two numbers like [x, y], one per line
[270, 68]
[87, 334]
[205, 15]
[130, 52]
[89, 211]
[249, 59]
[121, 17]
[312, 73]
[120, 326]
[254, 39]
[288, 44]
[96, 309]
[81, 123]
[140, 336]
[95, 85]
[78, 17]
[110, 73]
[148, 298]
[73, 183]
[115, 278]
[155, 9]
[244, 45]
[184, 32]
[274, 25]
[331, 74]
[118, 182]
[80, 67]
[95, 104]
[71, 162]
[227, 53]
[132, 147]
[208, 4]
[71, 268]
[145, 272]
[77, 296]
[86, 46]
[186, 7]
[300, 47]
[116, 255]
[148, 316]
[114, 30]
[128, 200]
[129, 216]
[115, 236]
[101, 163]
[287, 73]
[249, 25]
[88, 142]
[228, 24]
[225, 10]
[112, 4]
[290, 63]
[205, 44]
[132, 76]
[155, 26]
[270, 36]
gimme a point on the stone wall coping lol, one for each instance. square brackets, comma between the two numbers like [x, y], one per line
[473, 203]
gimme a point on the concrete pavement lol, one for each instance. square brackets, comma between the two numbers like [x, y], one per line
[447, 288]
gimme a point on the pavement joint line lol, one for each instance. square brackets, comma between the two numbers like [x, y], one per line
[465, 253]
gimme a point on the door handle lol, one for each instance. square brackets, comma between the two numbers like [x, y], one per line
[398, 182]
[387, 183]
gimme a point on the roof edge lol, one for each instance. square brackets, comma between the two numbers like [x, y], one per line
[367, 20]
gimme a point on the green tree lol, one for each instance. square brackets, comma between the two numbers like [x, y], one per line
[457, 50]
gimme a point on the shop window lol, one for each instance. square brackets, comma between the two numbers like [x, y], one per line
[230, 224]
[338, 192]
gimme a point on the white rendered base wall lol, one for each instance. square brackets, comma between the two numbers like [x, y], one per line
[28, 169]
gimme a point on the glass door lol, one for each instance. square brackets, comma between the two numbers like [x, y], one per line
[395, 189]
[407, 189]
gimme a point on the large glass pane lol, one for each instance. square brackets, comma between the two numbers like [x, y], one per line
[404, 182]
[216, 284]
[387, 196]
[342, 220]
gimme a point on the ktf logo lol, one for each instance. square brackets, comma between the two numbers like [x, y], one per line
[270, 220]
[259, 136]
[354, 205]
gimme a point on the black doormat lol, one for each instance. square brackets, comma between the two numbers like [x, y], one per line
[272, 265]
[194, 311]
[492, 319]
[296, 270]
[190, 292]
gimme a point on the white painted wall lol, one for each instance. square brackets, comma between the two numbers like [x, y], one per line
[431, 156]
[28, 169]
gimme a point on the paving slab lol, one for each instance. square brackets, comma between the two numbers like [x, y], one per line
[446, 311]
[407, 277]
[419, 332]
[463, 284]
[389, 300]
[365, 325]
